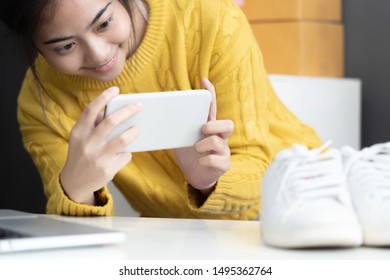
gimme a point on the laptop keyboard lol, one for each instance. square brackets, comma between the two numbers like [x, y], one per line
[8, 234]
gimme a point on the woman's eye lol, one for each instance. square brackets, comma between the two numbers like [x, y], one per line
[66, 48]
[105, 25]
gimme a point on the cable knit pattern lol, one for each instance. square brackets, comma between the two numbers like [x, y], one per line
[185, 41]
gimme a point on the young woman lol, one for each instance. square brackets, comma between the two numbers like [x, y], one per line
[83, 53]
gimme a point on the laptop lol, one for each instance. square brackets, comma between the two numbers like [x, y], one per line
[22, 231]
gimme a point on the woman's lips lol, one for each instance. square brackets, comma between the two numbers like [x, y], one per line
[106, 67]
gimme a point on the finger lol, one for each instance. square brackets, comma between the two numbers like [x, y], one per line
[218, 162]
[213, 105]
[112, 121]
[99, 118]
[92, 111]
[121, 159]
[212, 144]
[120, 142]
[224, 128]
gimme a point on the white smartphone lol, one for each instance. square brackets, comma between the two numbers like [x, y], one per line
[168, 120]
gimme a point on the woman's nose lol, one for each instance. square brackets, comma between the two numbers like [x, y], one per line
[97, 52]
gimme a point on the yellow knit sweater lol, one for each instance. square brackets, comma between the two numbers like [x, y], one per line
[185, 41]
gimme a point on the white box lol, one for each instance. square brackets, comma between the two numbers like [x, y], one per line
[332, 106]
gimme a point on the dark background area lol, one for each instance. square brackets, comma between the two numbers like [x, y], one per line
[367, 56]
[21, 187]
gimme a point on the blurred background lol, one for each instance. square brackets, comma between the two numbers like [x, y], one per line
[304, 41]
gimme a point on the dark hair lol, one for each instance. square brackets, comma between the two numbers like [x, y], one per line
[24, 17]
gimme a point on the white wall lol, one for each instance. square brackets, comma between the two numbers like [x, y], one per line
[332, 106]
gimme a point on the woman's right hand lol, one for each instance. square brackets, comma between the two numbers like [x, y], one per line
[93, 160]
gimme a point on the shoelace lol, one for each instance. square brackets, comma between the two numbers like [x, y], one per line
[314, 173]
[372, 166]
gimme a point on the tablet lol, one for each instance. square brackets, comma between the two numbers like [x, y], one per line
[168, 120]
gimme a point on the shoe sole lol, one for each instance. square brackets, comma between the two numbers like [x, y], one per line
[376, 236]
[319, 236]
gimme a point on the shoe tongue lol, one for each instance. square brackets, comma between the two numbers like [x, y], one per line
[379, 156]
[382, 162]
[299, 149]
[288, 153]
[386, 150]
[382, 147]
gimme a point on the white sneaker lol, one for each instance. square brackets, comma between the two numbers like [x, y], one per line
[305, 201]
[368, 175]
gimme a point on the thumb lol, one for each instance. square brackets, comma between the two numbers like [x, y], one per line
[213, 105]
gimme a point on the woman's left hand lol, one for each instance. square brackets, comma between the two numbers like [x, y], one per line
[209, 159]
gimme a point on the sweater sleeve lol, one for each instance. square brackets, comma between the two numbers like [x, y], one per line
[245, 96]
[45, 132]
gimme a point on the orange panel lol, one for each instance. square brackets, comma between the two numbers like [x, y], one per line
[275, 10]
[302, 48]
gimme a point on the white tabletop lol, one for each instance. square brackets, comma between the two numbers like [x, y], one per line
[189, 239]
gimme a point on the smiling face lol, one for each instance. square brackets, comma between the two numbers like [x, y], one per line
[86, 37]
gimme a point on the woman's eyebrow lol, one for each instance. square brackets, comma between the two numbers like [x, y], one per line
[98, 15]
[57, 39]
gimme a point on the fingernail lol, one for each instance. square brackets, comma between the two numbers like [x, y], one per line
[206, 81]
[113, 90]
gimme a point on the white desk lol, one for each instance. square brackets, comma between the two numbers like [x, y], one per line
[187, 239]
